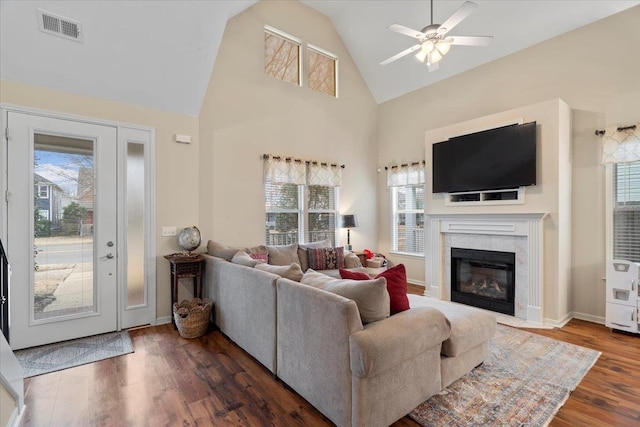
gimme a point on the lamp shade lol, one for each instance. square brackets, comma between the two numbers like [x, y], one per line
[348, 221]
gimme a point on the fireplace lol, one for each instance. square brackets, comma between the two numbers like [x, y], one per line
[484, 279]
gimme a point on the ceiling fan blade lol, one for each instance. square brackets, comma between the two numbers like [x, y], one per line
[406, 31]
[401, 54]
[471, 40]
[463, 11]
[433, 67]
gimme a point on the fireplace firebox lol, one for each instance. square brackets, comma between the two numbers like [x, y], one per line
[484, 279]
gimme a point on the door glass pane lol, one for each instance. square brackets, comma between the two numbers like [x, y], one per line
[63, 182]
[135, 225]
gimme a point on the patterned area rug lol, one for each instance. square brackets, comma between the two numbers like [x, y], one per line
[68, 354]
[524, 382]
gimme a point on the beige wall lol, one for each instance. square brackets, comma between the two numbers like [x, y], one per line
[593, 69]
[176, 164]
[246, 114]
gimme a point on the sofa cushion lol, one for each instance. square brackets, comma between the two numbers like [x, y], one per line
[243, 258]
[283, 255]
[326, 258]
[291, 272]
[227, 252]
[470, 327]
[396, 285]
[302, 251]
[370, 296]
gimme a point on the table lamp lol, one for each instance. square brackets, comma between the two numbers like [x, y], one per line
[348, 222]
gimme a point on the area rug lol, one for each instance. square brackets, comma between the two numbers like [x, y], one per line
[68, 354]
[523, 382]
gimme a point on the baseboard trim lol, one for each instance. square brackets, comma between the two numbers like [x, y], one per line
[588, 317]
[558, 323]
[416, 282]
[575, 315]
[16, 416]
[163, 320]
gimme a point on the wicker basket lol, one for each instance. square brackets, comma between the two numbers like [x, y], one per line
[192, 317]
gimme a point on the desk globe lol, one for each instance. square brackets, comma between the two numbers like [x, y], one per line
[189, 238]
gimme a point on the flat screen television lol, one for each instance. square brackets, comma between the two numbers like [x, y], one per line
[495, 159]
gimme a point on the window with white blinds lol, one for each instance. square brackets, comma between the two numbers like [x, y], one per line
[300, 213]
[408, 219]
[626, 211]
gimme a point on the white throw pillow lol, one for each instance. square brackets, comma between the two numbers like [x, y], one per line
[243, 258]
[370, 296]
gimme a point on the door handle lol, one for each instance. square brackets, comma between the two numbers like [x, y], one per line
[107, 256]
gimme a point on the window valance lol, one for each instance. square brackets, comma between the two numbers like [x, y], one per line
[284, 170]
[620, 144]
[406, 174]
[287, 170]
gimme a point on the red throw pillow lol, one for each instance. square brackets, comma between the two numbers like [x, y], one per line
[396, 285]
[353, 275]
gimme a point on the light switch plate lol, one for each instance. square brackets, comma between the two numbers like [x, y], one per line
[168, 231]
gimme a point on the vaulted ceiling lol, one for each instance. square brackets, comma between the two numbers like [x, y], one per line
[160, 54]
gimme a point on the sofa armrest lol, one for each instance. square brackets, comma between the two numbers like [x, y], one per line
[389, 342]
[211, 276]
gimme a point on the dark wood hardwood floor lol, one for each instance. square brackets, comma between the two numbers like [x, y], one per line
[171, 381]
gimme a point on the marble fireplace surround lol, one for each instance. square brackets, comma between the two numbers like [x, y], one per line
[515, 232]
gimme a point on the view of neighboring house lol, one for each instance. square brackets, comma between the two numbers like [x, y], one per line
[49, 198]
[84, 197]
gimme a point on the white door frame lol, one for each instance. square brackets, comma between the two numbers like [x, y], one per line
[125, 132]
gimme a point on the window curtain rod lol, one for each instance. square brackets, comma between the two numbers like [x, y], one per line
[404, 165]
[309, 162]
[620, 129]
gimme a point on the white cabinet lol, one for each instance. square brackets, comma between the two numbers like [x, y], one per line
[623, 301]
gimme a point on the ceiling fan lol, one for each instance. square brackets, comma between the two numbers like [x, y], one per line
[433, 41]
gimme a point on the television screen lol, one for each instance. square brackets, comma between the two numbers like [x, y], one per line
[494, 159]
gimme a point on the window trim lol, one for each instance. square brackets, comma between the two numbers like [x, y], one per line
[46, 187]
[328, 55]
[608, 195]
[609, 209]
[394, 228]
[279, 33]
[303, 211]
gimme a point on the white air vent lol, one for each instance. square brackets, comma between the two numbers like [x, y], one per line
[60, 26]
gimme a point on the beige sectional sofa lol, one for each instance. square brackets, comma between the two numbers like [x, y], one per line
[315, 341]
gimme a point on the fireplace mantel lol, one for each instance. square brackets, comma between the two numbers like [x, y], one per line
[528, 225]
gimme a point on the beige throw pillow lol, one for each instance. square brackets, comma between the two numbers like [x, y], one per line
[370, 296]
[283, 255]
[291, 272]
[245, 259]
[351, 260]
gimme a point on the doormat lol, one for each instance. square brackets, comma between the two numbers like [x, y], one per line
[524, 381]
[68, 354]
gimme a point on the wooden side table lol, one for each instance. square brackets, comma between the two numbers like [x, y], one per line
[184, 267]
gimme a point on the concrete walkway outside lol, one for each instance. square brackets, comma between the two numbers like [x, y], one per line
[75, 293]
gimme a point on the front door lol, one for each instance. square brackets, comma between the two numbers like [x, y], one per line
[61, 234]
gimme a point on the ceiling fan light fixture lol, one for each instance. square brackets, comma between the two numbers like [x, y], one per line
[443, 46]
[421, 55]
[435, 56]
